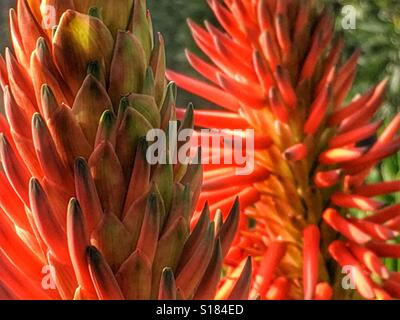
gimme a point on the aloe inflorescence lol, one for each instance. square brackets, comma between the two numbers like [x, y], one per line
[277, 67]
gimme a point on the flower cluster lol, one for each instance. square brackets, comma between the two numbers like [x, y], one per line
[277, 67]
[85, 84]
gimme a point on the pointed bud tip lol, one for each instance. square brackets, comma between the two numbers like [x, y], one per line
[4, 146]
[41, 46]
[37, 121]
[49, 101]
[168, 276]
[81, 166]
[94, 12]
[34, 183]
[236, 205]
[123, 104]
[107, 119]
[92, 254]
[74, 208]
[94, 69]
[206, 209]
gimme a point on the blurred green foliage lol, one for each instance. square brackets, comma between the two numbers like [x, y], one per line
[170, 18]
[377, 33]
[388, 170]
[4, 34]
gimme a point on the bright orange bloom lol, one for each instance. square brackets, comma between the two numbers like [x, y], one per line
[83, 214]
[277, 67]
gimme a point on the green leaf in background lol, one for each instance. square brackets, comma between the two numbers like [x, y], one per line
[377, 33]
[170, 18]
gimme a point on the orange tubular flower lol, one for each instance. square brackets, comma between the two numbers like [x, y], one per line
[83, 214]
[278, 69]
